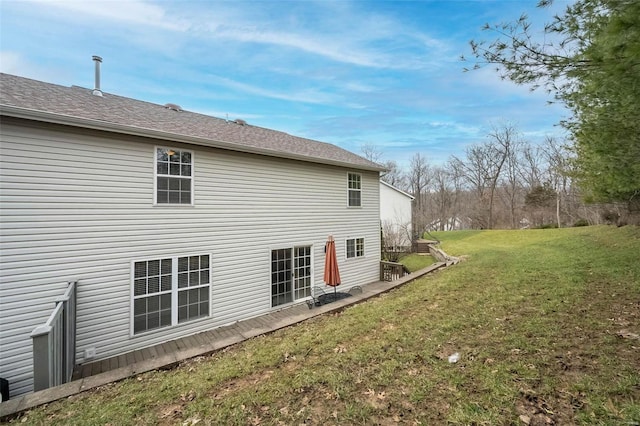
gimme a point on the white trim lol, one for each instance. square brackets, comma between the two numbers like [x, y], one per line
[291, 247]
[346, 250]
[397, 189]
[350, 189]
[155, 177]
[174, 292]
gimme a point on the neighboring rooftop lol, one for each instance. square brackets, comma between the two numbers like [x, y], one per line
[76, 106]
[397, 189]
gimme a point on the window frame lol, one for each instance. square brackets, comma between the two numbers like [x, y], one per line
[174, 291]
[358, 253]
[293, 269]
[156, 175]
[358, 190]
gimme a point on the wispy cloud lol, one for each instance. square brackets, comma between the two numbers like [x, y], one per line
[327, 47]
[311, 96]
[130, 12]
[347, 72]
[16, 63]
[13, 63]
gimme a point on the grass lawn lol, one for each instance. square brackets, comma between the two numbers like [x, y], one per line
[414, 262]
[546, 323]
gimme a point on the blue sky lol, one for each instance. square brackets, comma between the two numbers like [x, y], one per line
[383, 73]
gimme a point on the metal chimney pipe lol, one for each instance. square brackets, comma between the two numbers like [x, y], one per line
[97, 91]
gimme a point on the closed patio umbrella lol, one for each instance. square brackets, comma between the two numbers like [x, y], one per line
[331, 271]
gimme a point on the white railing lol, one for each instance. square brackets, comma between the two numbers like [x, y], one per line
[54, 343]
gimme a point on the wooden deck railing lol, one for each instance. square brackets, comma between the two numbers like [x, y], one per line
[391, 271]
[54, 343]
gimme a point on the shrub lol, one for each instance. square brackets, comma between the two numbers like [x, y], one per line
[548, 226]
[610, 217]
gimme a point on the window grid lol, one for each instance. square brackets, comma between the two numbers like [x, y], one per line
[174, 176]
[193, 303]
[281, 277]
[355, 247]
[354, 190]
[170, 291]
[302, 264]
[152, 295]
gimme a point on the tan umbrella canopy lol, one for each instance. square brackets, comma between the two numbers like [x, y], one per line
[331, 271]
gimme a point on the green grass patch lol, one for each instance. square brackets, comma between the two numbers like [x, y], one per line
[545, 322]
[414, 262]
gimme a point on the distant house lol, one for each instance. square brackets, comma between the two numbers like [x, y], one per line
[450, 224]
[171, 222]
[395, 216]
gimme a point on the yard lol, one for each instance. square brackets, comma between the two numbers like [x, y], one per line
[546, 324]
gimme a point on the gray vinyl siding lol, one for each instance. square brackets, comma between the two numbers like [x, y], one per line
[79, 206]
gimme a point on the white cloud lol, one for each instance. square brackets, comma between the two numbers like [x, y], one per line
[489, 79]
[307, 96]
[15, 63]
[340, 33]
[12, 63]
[130, 12]
[331, 30]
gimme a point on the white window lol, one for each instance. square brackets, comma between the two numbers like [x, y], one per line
[291, 275]
[355, 247]
[170, 291]
[354, 190]
[174, 176]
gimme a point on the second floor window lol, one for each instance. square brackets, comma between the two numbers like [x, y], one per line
[354, 190]
[174, 176]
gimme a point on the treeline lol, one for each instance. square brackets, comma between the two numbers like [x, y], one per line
[587, 58]
[504, 182]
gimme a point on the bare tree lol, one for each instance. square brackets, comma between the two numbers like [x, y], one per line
[444, 197]
[418, 179]
[393, 175]
[498, 150]
[474, 171]
[460, 205]
[482, 169]
[532, 166]
[396, 239]
[511, 181]
[558, 172]
[371, 152]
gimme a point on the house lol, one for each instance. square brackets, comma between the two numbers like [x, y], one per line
[171, 222]
[453, 223]
[395, 216]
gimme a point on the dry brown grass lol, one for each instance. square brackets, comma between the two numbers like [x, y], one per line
[545, 322]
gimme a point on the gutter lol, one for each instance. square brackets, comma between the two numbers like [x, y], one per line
[397, 189]
[68, 120]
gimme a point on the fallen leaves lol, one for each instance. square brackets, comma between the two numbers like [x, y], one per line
[173, 411]
[339, 349]
[190, 396]
[625, 334]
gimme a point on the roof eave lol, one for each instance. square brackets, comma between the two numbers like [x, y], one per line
[68, 120]
[397, 189]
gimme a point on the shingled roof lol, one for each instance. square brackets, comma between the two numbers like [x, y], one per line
[76, 106]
